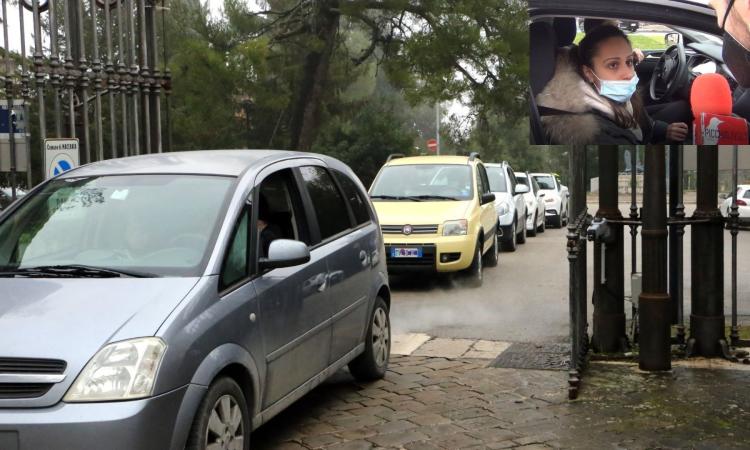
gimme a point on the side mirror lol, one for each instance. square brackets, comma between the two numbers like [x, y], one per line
[672, 38]
[487, 198]
[285, 253]
[521, 189]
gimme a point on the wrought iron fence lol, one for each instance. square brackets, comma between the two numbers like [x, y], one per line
[97, 72]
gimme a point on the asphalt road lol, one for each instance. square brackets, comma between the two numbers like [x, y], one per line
[525, 298]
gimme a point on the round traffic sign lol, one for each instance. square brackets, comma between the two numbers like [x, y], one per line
[432, 145]
[60, 163]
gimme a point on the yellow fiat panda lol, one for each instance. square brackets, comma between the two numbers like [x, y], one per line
[437, 214]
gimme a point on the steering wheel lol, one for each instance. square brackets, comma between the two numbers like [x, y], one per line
[670, 74]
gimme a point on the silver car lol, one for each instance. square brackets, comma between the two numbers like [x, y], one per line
[182, 300]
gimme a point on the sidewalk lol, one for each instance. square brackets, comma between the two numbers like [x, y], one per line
[430, 402]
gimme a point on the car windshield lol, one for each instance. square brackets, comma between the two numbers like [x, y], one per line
[497, 179]
[159, 225]
[423, 182]
[545, 181]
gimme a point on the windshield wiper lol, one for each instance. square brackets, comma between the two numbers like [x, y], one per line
[394, 197]
[436, 197]
[74, 271]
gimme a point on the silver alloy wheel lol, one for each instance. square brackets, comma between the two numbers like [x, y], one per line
[381, 337]
[225, 429]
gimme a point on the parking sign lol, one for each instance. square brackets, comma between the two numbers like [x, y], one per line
[60, 155]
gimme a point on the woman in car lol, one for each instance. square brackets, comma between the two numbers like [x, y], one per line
[592, 98]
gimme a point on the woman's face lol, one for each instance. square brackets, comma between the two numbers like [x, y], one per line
[614, 61]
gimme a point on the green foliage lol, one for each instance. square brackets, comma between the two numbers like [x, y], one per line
[365, 141]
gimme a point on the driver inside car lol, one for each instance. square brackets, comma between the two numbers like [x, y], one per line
[592, 97]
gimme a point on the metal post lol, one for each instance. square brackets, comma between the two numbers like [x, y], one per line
[10, 93]
[577, 268]
[437, 125]
[734, 216]
[653, 303]
[70, 80]
[25, 88]
[55, 78]
[155, 104]
[707, 318]
[98, 83]
[83, 81]
[112, 84]
[679, 254]
[122, 77]
[609, 292]
[145, 79]
[136, 140]
[674, 152]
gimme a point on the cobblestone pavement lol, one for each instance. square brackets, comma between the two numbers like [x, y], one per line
[439, 403]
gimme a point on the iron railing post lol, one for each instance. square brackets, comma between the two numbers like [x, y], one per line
[734, 223]
[653, 310]
[707, 318]
[609, 271]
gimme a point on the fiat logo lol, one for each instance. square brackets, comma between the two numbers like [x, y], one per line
[407, 229]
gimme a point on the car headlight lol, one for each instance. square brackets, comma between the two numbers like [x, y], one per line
[504, 208]
[120, 371]
[456, 228]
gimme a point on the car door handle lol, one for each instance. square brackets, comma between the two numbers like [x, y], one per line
[323, 284]
[363, 258]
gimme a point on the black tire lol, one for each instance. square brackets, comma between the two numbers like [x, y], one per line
[543, 226]
[521, 239]
[557, 221]
[509, 239]
[373, 363]
[532, 231]
[474, 274]
[219, 392]
[491, 257]
[564, 220]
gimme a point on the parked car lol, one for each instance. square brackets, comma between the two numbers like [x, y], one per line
[743, 197]
[140, 308]
[555, 199]
[535, 221]
[6, 196]
[629, 25]
[437, 214]
[509, 204]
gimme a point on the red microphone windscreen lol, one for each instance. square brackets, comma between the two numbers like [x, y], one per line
[710, 94]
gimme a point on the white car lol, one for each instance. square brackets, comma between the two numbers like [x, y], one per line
[509, 204]
[535, 222]
[743, 197]
[555, 199]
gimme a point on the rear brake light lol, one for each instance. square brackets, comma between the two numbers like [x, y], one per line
[741, 202]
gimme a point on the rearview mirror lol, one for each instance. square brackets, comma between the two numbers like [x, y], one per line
[521, 189]
[488, 198]
[672, 38]
[285, 253]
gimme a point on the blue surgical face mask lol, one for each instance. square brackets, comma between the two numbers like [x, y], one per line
[617, 90]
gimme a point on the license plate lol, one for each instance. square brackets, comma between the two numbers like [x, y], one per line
[409, 252]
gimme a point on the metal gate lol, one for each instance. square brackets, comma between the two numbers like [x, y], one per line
[662, 306]
[97, 72]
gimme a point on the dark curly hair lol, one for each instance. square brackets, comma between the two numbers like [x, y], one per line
[584, 54]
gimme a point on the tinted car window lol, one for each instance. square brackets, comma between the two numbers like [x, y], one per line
[354, 196]
[747, 194]
[235, 264]
[545, 182]
[326, 200]
[497, 179]
[423, 181]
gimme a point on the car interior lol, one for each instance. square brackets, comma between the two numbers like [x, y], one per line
[666, 75]
[282, 202]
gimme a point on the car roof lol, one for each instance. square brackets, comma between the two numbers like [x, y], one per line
[434, 159]
[199, 162]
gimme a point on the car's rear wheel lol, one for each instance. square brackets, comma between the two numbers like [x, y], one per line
[522, 234]
[509, 239]
[491, 258]
[222, 421]
[474, 274]
[373, 363]
[532, 231]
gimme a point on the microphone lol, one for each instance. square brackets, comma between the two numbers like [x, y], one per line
[711, 102]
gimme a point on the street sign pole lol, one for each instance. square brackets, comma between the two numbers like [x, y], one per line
[437, 125]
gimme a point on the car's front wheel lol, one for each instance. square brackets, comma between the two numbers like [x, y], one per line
[475, 273]
[543, 226]
[223, 420]
[373, 363]
[491, 257]
[532, 231]
[521, 239]
[509, 238]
